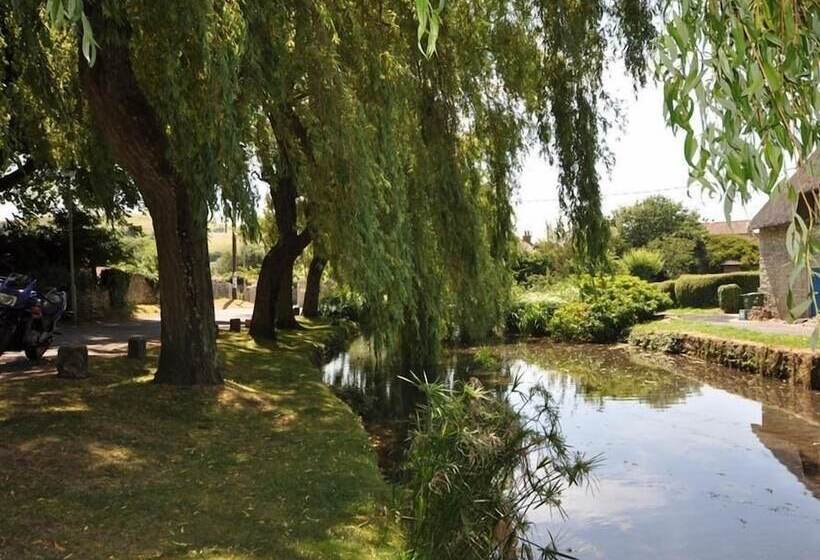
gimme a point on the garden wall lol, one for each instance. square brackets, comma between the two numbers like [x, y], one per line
[798, 367]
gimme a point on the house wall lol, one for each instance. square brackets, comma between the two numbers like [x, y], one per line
[775, 268]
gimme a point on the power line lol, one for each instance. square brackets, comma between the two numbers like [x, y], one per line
[610, 195]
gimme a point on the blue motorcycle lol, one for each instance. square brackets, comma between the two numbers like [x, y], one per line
[28, 317]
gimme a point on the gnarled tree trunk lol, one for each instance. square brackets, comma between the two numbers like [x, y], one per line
[313, 285]
[135, 137]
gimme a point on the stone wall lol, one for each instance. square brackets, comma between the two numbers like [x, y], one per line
[798, 367]
[141, 290]
[775, 268]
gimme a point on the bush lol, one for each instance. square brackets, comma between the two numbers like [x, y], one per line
[667, 287]
[606, 309]
[643, 263]
[681, 255]
[700, 290]
[531, 317]
[729, 298]
[342, 304]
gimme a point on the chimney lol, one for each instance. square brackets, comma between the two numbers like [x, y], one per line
[527, 237]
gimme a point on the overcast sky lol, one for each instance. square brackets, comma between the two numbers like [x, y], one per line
[648, 160]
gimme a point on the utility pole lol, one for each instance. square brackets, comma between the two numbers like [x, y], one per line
[234, 287]
[69, 202]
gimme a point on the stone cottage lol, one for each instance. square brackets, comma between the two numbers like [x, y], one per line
[772, 223]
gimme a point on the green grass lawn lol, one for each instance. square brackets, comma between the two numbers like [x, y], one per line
[682, 311]
[271, 465]
[688, 326]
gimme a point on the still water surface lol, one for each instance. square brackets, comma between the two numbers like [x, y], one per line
[699, 462]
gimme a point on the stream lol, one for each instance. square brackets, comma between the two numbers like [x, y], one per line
[698, 461]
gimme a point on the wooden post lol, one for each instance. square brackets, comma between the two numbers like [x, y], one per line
[235, 325]
[137, 347]
[72, 362]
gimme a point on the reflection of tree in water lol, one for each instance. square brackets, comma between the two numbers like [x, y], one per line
[795, 444]
[598, 373]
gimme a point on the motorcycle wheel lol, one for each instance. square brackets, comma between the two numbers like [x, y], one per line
[35, 353]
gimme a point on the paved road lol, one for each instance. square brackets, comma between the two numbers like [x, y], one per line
[102, 338]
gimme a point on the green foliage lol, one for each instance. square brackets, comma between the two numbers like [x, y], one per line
[472, 477]
[601, 311]
[248, 256]
[655, 218]
[116, 283]
[668, 288]
[547, 262]
[700, 290]
[41, 248]
[141, 251]
[722, 248]
[729, 297]
[680, 254]
[606, 309]
[342, 304]
[643, 263]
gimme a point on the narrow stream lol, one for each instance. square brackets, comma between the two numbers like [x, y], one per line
[698, 461]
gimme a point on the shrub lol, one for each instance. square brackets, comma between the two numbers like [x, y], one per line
[342, 304]
[729, 298]
[667, 287]
[531, 317]
[680, 254]
[471, 475]
[700, 290]
[643, 263]
[606, 307]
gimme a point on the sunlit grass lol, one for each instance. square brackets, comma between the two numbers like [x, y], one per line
[271, 465]
[688, 326]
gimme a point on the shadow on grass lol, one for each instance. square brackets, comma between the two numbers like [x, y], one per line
[269, 466]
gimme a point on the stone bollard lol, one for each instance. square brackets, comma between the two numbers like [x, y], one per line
[235, 325]
[137, 347]
[72, 362]
[248, 324]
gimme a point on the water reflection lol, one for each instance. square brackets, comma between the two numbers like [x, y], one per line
[699, 462]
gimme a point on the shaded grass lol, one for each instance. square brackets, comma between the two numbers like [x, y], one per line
[688, 326]
[271, 465]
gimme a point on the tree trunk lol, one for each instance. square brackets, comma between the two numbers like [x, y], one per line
[135, 136]
[285, 317]
[310, 306]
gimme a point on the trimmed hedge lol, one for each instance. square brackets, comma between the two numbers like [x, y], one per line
[729, 298]
[700, 290]
[667, 287]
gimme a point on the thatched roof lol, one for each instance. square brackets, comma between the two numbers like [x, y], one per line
[735, 227]
[779, 210]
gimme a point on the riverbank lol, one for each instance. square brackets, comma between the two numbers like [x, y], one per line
[748, 351]
[271, 465]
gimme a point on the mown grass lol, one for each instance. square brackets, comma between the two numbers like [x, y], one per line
[688, 326]
[271, 465]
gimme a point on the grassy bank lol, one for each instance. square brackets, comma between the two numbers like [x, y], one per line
[271, 465]
[689, 326]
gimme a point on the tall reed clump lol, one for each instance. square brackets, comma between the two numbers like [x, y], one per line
[477, 463]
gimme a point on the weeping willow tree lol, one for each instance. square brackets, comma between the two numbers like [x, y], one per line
[156, 89]
[405, 163]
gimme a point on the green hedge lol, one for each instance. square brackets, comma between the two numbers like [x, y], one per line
[700, 290]
[667, 287]
[729, 297]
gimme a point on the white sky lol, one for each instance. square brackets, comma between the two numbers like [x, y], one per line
[648, 160]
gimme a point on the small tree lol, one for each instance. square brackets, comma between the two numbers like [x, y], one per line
[721, 248]
[643, 263]
[655, 218]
